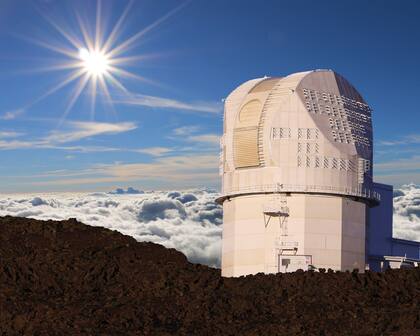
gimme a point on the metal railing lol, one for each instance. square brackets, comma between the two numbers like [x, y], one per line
[278, 188]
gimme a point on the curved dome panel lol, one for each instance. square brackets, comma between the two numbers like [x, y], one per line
[249, 114]
[341, 114]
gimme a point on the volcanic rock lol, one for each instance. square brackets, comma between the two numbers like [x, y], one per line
[67, 278]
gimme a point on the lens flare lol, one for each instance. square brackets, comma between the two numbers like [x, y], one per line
[96, 63]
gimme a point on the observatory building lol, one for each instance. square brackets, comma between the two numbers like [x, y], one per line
[296, 166]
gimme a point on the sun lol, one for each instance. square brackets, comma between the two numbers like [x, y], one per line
[95, 58]
[94, 62]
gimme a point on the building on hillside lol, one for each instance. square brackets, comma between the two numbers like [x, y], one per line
[297, 188]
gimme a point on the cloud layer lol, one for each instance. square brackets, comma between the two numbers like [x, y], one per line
[189, 221]
[407, 212]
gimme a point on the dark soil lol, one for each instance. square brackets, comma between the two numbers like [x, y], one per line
[67, 278]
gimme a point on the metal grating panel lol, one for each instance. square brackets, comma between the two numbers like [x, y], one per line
[245, 145]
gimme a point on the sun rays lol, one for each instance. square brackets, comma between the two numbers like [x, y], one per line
[96, 61]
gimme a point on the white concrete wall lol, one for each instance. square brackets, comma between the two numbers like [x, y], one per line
[329, 228]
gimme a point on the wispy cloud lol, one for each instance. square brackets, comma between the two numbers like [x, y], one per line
[10, 115]
[213, 139]
[17, 144]
[7, 134]
[399, 160]
[398, 172]
[399, 179]
[190, 134]
[412, 163]
[78, 130]
[73, 131]
[185, 130]
[406, 140]
[154, 151]
[171, 171]
[167, 103]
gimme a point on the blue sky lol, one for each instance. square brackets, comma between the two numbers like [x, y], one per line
[162, 131]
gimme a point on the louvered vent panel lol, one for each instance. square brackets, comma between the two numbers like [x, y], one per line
[245, 143]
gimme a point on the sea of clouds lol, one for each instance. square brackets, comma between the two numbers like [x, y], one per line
[189, 221]
[407, 212]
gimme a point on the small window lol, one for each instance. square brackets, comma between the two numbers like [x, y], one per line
[274, 133]
[284, 133]
[280, 133]
[342, 164]
[367, 165]
[300, 132]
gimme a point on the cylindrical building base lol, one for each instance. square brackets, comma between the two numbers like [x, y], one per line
[320, 230]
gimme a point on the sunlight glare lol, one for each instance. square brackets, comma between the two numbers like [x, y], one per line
[96, 63]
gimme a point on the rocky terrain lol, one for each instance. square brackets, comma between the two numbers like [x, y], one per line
[67, 278]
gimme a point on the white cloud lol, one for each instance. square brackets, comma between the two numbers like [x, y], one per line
[155, 151]
[189, 133]
[17, 144]
[407, 212]
[185, 130]
[189, 221]
[213, 139]
[8, 134]
[406, 140]
[77, 130]
[166, 103]
[73, 131]
[10, 115]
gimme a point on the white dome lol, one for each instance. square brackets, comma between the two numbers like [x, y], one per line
[308, 132]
